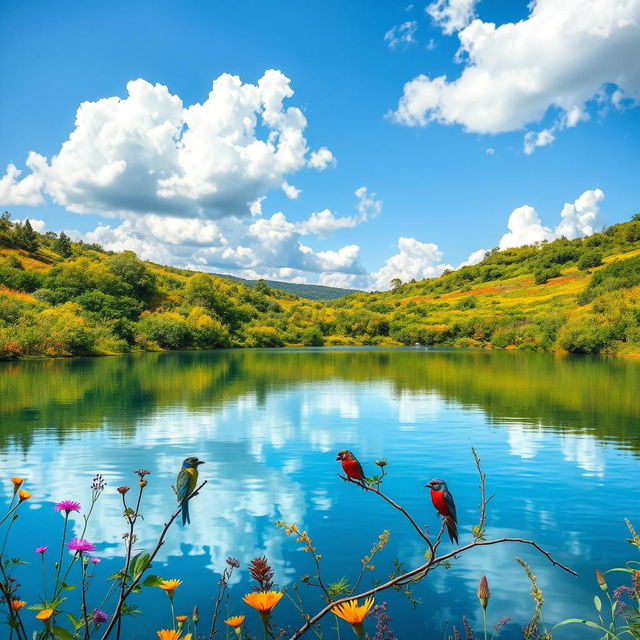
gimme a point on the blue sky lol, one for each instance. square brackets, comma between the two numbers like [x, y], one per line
[508, 111]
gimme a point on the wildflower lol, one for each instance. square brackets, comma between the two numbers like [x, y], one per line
[501, 623]
[80, 545]
[235, 621]
[483, 592]
[45, 614]
[98, 483]
[262, 573]
[354, 614]
[100, 617]
[23, 494]
[16, 605]
[141, 473]
[181, 619]
[232, 562]
[172, 634]
[382, 463]
[170, 586]
[601, 580]
[123, 490]
[41, 549]
[263, 601]
[17, 483]
[635, 581]
[95, 560]
[67, 506]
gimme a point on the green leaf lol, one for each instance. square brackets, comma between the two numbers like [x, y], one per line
[152, 581]
[74, 621]
[61, 633]
[598, 603]
[69, 587]
[139, 564]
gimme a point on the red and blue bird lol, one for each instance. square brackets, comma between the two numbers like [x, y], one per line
[351, 466]
[446, 507]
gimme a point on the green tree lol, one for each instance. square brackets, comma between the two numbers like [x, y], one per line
[128, 267]
[312, 337]
[62, 245]
[589, 259]
[25, 237]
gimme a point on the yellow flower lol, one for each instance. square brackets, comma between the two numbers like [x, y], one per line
[170, 585]
[17, 604]
[263, 601]
[172, 634]
[45, 614]
[181, 619]
[235, 621]
[17, 483]
[23, 494]
[351, 612]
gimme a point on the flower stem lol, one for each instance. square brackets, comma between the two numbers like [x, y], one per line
[484, 620]
[83, 565]
[64, 535]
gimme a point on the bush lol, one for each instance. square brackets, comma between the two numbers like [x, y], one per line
[589, 259]
[169, 330]
[312, 337]
[542, 276]
[259, 336]
[585, 334]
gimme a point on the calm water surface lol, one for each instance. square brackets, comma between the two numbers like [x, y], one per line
[559, 439]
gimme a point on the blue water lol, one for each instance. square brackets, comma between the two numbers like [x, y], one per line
[558, 438]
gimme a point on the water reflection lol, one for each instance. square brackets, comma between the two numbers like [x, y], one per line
[550, 431]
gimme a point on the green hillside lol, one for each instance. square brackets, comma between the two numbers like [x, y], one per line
[60, 298]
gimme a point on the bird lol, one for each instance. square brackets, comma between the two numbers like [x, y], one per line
[185, 484]
[350, 465]
[443, 502]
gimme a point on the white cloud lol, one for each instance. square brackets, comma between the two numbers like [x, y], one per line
[290, 191]
[36, 224]
[578, 219]
[475, 258]
[452, 15]
[321, 159]
[415, 259]
[14, 192]
[559, 58]
[401, 35]
[149, 154]
[490, 151]
[539, 139]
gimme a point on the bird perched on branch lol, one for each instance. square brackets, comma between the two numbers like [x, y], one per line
[186, 483]
[443, 502]
[351, 466]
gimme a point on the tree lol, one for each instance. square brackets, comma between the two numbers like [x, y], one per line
[25, 237]
[591, 258]
[395, 283]
[62, 245]
[128, 267]
[312, 337]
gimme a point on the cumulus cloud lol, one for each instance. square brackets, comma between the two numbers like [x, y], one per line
[321, 159]
[561, 57]
[414, 259]
[14, 192]
[148, 153]
[401, 35]
[475, 258]
[452, 15]
[577, 219]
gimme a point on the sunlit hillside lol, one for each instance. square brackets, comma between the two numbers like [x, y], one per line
[60, 298]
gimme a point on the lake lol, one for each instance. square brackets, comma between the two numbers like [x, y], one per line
[559, 440]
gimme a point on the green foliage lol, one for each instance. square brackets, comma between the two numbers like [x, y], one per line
[24, 237]
[585, 334]
[590, 259]
[62, 245]
[312, 337]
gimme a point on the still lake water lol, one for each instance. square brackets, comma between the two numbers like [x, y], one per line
[559, 440]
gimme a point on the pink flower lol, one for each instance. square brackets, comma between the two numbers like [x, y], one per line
[67, 506]
[99, 617]
[80, 545]
[95, 560]
[41, 549]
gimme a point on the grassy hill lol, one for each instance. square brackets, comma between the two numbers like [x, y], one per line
[60, 298]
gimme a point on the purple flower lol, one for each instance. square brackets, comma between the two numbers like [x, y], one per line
[67, 506]
[41, 549]
[95, 560]
[501, 623]
[80, 545]
[99, 617]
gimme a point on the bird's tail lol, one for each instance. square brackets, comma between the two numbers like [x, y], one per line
[452, 528]
[185, 512]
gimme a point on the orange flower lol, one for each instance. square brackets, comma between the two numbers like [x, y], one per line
[351, 612]
[181, 619]
[17, 483]
[45, 614]
[17, 604]
[235, 621]
[170, 585]
[23, 494]
[263, 601]
[172, 634]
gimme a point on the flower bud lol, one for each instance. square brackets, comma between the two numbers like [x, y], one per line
[194, 615]
[123, 490]
[483, 592]
[602, 581]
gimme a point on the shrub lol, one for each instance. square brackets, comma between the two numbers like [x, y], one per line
[589, 259]
[261, 336]
[585, 334]
[312, 337]
[169, 330]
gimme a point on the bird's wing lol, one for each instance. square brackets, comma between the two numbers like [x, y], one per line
[182, 484]
[451, 504]
[359, 467]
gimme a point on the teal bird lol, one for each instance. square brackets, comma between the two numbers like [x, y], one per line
[185, 484]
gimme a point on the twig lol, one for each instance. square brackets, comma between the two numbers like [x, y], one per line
[134, 583]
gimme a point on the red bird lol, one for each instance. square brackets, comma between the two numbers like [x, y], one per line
[350, 465]
[443, 502]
